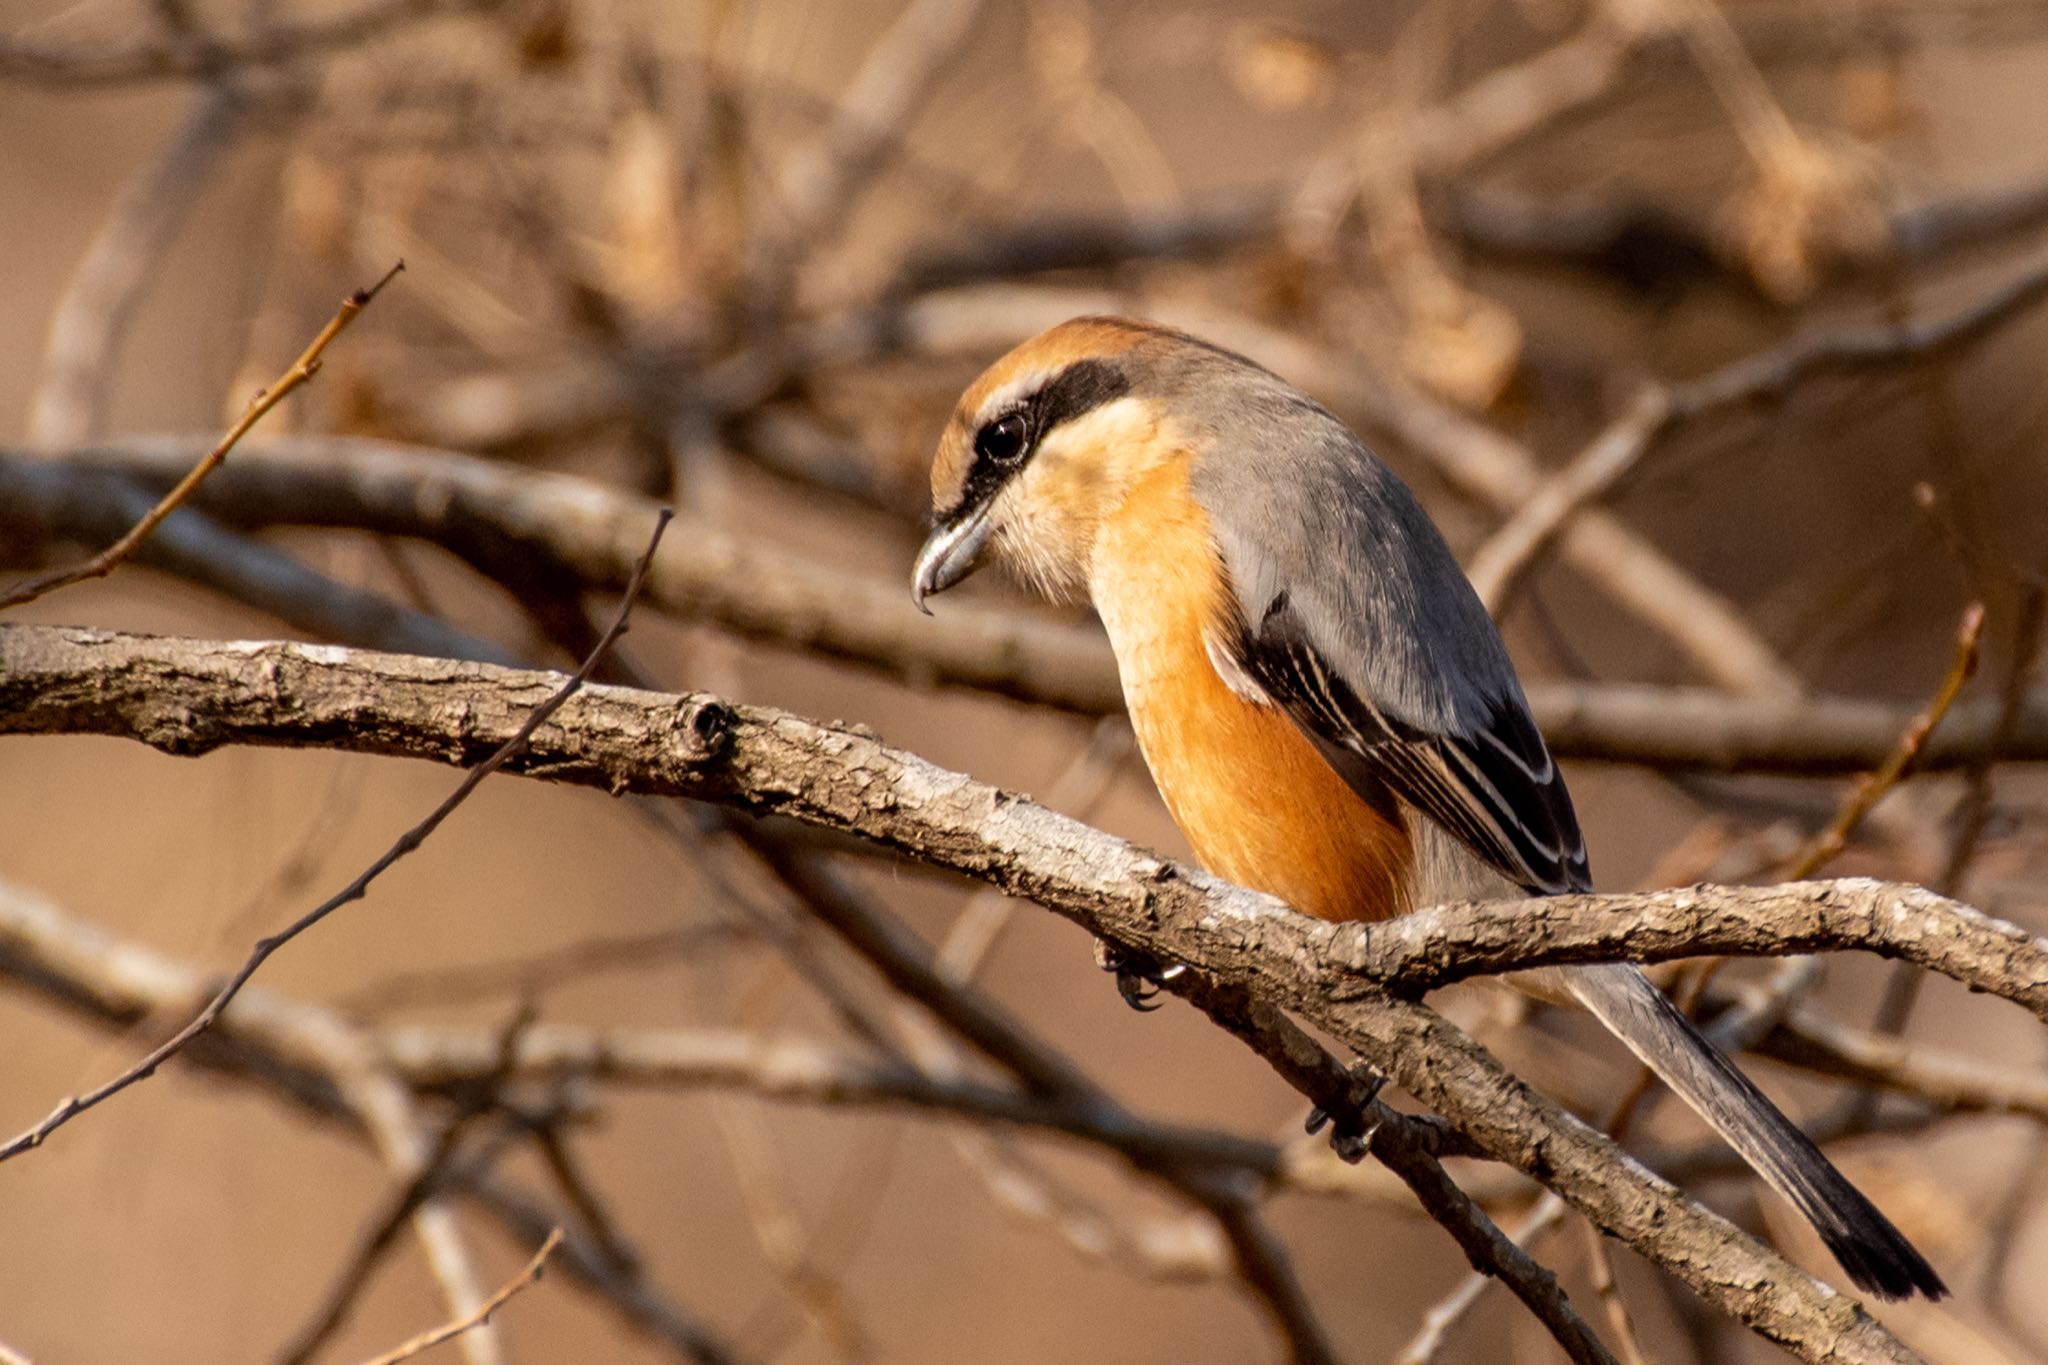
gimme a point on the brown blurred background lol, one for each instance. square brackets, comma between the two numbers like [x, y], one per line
[1513, 213]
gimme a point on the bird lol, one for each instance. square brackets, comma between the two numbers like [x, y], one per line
[1325, 706]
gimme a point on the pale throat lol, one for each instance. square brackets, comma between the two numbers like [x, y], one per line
[1081, 477]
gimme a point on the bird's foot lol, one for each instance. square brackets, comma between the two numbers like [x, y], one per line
[1139, 977]
[1351, 1132]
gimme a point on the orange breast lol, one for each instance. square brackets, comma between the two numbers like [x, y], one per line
[1257, 802]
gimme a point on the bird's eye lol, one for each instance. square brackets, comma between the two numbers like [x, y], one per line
[1002, 440]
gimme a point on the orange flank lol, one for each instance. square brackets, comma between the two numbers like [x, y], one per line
[1257, 802]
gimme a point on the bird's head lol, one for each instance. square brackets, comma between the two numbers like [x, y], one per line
[1040, 448]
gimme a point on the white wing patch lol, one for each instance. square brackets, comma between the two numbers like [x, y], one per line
[1233, 673]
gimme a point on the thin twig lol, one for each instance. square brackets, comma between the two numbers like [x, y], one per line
[1975, 811]
[1429, 1338]
[639, 1303]
[1620, 1322]
[355, 890]
[423, 1183]
[449, 1330]
[1829, 843]
[302, 370]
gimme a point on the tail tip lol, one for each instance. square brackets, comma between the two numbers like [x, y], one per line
[1889, 1267]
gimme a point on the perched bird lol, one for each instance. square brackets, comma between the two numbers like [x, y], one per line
[1324, 704]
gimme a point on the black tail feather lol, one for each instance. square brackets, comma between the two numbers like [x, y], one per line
[1876, 1255]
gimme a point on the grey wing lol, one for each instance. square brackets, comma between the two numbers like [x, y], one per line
[1356, 619]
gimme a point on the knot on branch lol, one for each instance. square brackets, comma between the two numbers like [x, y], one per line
[708, 725]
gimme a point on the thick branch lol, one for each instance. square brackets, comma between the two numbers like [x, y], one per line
[188, 697]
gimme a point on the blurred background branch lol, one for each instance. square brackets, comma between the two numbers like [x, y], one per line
[1709, 332]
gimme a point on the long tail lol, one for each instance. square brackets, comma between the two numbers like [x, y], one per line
[1873, 1252]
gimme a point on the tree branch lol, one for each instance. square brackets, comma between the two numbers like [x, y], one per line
[1453, 942]
[482, 1312]
[188, 697]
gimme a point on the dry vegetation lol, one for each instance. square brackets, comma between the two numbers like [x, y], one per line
[1708, 331]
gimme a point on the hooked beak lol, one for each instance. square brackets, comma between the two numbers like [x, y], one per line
[949, 554]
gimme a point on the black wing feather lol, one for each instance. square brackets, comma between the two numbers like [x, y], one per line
[1495, 789]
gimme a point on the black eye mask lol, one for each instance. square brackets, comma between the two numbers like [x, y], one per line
[1006, 442]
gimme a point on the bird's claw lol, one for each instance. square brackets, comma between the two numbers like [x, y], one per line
[1139, 977]
[1139, 991]
[1350, 1136]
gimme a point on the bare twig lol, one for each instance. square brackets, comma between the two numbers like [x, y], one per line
[302, 370]
[1973, 812]
[423, 1177]
[1428, 1341]
[1826, 846]
[449, 1330]
[355, 890]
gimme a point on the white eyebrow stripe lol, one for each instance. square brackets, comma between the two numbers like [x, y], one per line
[1008, 396]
